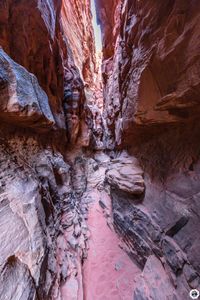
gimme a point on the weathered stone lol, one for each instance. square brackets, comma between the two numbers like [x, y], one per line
[31, 35]
[80, 36]
[154, 283]
[125, 174]
[23, 102]
[191, 276]
[150, 46]
[16, 281]
[173, 254]
[138, 230]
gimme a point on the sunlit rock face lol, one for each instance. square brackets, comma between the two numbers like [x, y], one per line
[79, 81]
[76, 19]
[108, 18]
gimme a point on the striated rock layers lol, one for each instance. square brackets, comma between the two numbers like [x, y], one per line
[42, 107]
[151, 90]
[34, 185]
[30, 34]
[34, 35]
[143, 91]
[76, 18]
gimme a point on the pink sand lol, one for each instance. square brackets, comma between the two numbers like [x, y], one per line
[108, 273]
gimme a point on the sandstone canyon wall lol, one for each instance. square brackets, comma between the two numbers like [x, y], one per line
[42, 111]
[76, 19]
[151, 89]
[155, 51]
[81, 175]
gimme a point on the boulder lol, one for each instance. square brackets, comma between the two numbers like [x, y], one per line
[125, 173]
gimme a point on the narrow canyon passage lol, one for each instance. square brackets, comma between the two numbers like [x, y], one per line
[99, 150]
[108, 272]
[105, 271]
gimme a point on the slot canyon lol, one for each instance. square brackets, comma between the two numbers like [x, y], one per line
[99, 149]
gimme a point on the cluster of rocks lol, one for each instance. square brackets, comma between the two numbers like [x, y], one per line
[72, 247]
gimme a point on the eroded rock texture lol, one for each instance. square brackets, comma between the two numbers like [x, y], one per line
[30, 35]
[34, 35]
[23, 102]
[125, 174]
[151, 94]
[40, 111]
[76, 19]
[33, 182]
[108, 17]
[152, 77]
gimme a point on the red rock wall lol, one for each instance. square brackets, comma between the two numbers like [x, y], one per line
[42, 102]
[151, 94]
[154, 70]
[108, 18]
[30, 35]
[151, 91]
[76, 19]
[56, 44]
